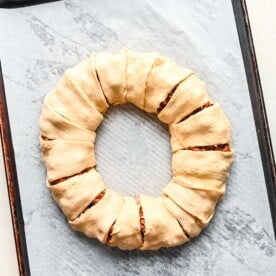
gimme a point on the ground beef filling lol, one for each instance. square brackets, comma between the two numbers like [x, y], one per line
[67, 177]
[142, 224]
[220, 147]
[165, 102]
[97, 199]
[93, 202]
[45, 138]
[208, 104]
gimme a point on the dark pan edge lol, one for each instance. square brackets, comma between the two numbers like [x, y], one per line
[257, 101]
[12, 182]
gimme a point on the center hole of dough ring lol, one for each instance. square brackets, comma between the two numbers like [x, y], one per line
[133, 151]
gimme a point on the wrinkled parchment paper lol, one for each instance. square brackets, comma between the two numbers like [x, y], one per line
[38, 43]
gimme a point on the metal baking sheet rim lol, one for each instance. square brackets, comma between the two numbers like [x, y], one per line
[12, 184]
[261, 124]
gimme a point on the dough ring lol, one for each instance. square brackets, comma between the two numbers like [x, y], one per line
[200, 141]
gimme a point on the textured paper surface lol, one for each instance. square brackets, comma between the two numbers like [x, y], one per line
[38, 43]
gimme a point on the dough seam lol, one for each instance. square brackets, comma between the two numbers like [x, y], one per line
[164, 103]
[197, 220]
[98, 78]
[65, 119]
[196, 111]
[125, 93]
[60, 180]
[67, 183]
[109, 235]
[184, 231]
[100, 85]
[83, 94]
[172, 132]
[92, 203]
[146, 81]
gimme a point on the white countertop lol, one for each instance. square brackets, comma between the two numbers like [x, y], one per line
[8, 261]
[262, 16]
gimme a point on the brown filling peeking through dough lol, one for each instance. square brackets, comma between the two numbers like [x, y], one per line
[206, 105]
[109, 236]
[97, 199]
[165, 102]
[93, 202]
[45, 138]
[142, 223]
[57, 181]
[169, 96]
[220, 147]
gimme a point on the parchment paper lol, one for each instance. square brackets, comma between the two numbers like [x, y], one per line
[38, 43]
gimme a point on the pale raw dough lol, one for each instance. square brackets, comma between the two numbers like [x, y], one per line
[111, 69]
[74, 109]
[126, 233]
[85, 77]
[190, 224]
[64, 158]
[138, 68]
[76, 193]
[208, 127]
[96, 221]
[188, 96]
[161, 80]
[199, 203]
[69, 103]
[54, 126]
[202, 169]
[162, 229]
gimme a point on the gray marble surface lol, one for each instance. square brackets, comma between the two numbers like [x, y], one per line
[37, 43]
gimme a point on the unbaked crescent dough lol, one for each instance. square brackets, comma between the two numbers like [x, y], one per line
[205, 168]
[200, 142]
[126, 233]
[161, 228]
[67, 101]
[199, 203]
[54, 126]
[97, 220]
[188, 96]
[208, 127]
[138, 68]
[191, 225]
[164, 76]
[84, 76]
[111, 69]
[65, 158]
[74, 194]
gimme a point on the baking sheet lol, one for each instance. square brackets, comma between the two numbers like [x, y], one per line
[133, 152]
